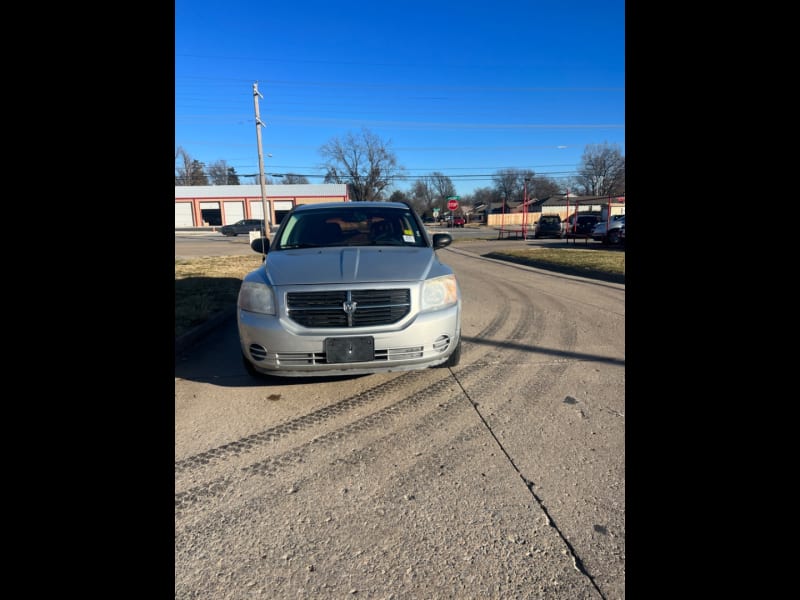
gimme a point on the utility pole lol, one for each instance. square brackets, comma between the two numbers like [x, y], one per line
[525, 209]
[261, 178]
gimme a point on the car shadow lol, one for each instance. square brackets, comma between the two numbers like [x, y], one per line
[216, 358]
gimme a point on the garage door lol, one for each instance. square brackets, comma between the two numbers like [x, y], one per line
[183, 214]
[211, 213]
[234, 211]
[257, 209]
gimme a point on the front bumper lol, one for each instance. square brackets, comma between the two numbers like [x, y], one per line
[277, 347]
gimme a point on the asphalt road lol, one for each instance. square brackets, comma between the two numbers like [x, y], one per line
[501, 478]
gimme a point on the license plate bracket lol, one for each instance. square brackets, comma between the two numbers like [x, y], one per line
[351, 349]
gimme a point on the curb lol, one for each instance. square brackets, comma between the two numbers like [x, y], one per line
[191, 337]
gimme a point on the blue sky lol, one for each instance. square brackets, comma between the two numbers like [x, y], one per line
[462, 88]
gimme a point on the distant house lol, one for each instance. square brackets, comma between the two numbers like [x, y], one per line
[515, 214]
[565, 206]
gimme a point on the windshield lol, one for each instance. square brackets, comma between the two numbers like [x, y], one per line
[349, 226]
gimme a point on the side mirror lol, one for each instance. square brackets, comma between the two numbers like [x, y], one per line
[440, 240]
[260, 245]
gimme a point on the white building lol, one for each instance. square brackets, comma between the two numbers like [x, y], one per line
[217, 205]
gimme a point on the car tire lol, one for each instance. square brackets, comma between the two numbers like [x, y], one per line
[613, 236]
[248, 366]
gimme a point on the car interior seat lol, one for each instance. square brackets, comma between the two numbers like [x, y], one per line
[330, 233]
[382, 231]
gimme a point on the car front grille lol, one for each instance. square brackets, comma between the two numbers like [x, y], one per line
[311, 359]
[348, 308]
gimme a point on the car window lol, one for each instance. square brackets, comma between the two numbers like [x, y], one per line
[349, 227]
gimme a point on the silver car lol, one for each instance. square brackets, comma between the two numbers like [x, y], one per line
[350, 288]
[608, 232]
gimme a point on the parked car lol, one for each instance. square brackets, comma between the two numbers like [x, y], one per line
[615, 225]
[244, 226]
[456, 222]
[582, 224]
[349, 288]
[549, 226]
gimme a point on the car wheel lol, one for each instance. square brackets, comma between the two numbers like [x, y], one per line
[455, 357]
[613, 237]
[248, 366]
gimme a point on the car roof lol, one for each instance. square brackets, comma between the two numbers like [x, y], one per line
[351, 205]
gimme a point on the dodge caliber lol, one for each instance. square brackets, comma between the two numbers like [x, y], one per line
[349, 288]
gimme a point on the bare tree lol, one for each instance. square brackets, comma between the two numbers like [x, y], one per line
[423, 195]
[510, 184]
[364, 162]
[183, 173]
[542, 187]
[221, 174]
[192, 172]
[602, 170]
[400, 196]
[443, 187]
[291, 178]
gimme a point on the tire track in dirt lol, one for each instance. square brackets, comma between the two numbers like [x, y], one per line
[478, 378]
[442, 431]
[448, 430]
[495, 367]
[250, 442]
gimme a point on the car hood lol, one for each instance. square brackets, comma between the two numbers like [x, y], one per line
[348, 265]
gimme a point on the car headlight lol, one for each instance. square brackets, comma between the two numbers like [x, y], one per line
[256, 297]
[439, 293]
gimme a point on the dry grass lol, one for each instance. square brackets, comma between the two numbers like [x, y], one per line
[607, 265]
[208, 285]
